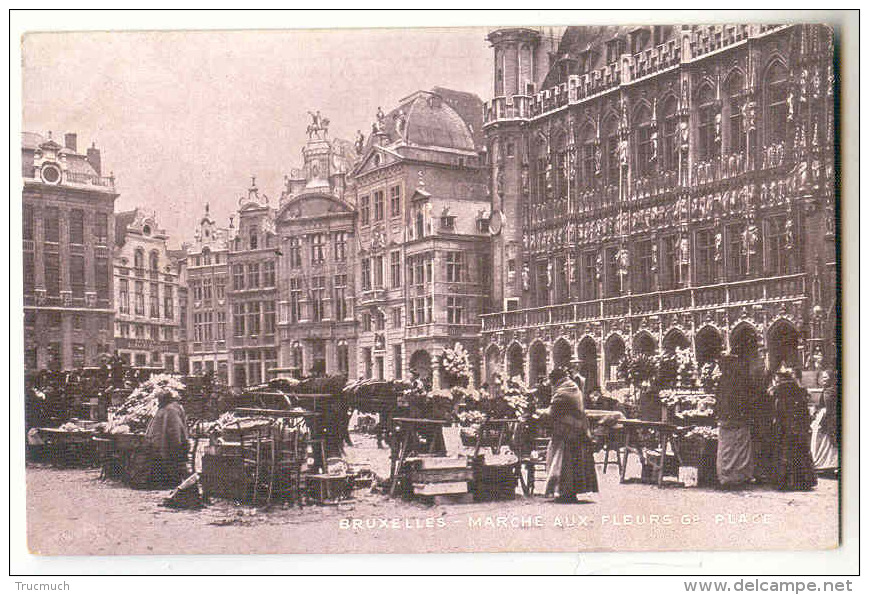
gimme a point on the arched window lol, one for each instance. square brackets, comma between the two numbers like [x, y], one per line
[735, 132]
[254, 239]
[611, 151]
[139, 259]
[643, 141]
[420, 225]
[669, 128]
[206, 256]
[705, 123]
[587, 167]
[540, 154]
[775, 100]
[154, 261]
[561, 166]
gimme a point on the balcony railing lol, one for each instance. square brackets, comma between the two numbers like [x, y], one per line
[89, 179]
[704, 297]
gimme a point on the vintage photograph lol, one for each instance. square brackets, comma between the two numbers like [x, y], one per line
[431, 290]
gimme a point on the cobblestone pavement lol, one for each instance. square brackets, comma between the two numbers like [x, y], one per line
[70, 511]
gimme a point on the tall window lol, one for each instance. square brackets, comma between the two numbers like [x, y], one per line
[670, 262]
[252, 275]
[154, 261]
[737, 267]
[396, 360]
[343, 358]
[27, 229]
[317, 293]
[340, 246]
[340, 299]
[705, 256]
[379, 320]
[155, 300]
[269, 317]
[253, 320]
[775, 98]
[124, 296]
[254, 239]
[396, 317]
[196, 289]
[76, 275]
[561, 168]
[395, 201]
[366, 274]
[669, 129]
[140, 298]
[455, 310]
[377, 265]
[643, 132]
[295, 300]
[735, 133]
[269, 273]
[318, 240]
[206, 288]
[777, 249]
[29, 272]
[220, 287]
[612, 277]
[706, 123]
[611, 152]
[420, 225]
[455, 267]
[76, 226]
[168, 302]
[221, 326]
[587, 156]
[237, 277]
[419, 268]
[238, 320]
[366, 322]
[51, 224]
[139, 261]
[364, 210]
[295, 253]
[395, 268]
[378, 205]
[102, 278]
[642, 282]
[101, 228]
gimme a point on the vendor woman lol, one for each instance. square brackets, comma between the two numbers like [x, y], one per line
[167, 439]
[570, 458]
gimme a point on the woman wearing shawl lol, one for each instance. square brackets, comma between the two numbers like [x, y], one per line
[795, 468]
[825, 427]
[570, 458]
[735, 465]
[167, 437]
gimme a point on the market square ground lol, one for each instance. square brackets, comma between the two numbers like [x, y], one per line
[72, 512]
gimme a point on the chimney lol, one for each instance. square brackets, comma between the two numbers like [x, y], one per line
[94, 159]
[69, 141]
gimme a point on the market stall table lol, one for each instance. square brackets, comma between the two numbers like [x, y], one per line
[68, 447]
[408, 429]
[667, 435]
[607, 424]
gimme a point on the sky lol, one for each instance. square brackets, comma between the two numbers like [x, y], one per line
[185, 118]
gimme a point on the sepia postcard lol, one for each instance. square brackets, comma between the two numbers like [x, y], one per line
[508, 288]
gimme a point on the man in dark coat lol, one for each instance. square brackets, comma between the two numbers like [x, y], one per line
[794, 463]
[167, 439]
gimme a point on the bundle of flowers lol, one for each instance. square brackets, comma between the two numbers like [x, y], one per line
[456, 364]
[639, 371]
[138, 409]
[703, 432]
[676, 369]
[710, 376]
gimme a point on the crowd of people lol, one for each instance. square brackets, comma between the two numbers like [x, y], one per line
[767, 433]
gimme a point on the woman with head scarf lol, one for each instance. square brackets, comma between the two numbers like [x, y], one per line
[167, 438]
[825, 426]
[570, 458]
[794, 465]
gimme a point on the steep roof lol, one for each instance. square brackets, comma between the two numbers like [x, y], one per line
[122, 221]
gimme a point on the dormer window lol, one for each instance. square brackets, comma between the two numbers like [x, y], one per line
[448, 222]
[254, 240]
[483, 225]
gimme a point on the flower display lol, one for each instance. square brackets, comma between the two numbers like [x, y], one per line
[710, 376]
[138, 409]
[456, 364]
[704, 432]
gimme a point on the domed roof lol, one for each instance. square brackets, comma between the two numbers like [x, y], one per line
[430, 121]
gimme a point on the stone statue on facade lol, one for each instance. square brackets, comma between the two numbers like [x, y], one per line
[360, 142]
[526, 277]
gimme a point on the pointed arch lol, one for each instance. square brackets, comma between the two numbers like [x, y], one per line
[614, 351]
[675, 339]
[644, 343]
[744, 340]
[775, 91]
[783, 342]
[708, 344]
[493, 362]
[536, 361]
[586, 353]
[515, 360]
[562, 353]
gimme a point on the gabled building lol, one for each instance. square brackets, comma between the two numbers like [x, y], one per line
[318, 247]
[68, 232]
[422, 226]
[251, 291]
[207, 270]
[147, 317]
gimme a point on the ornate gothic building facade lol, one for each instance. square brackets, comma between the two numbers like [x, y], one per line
[661, 187]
